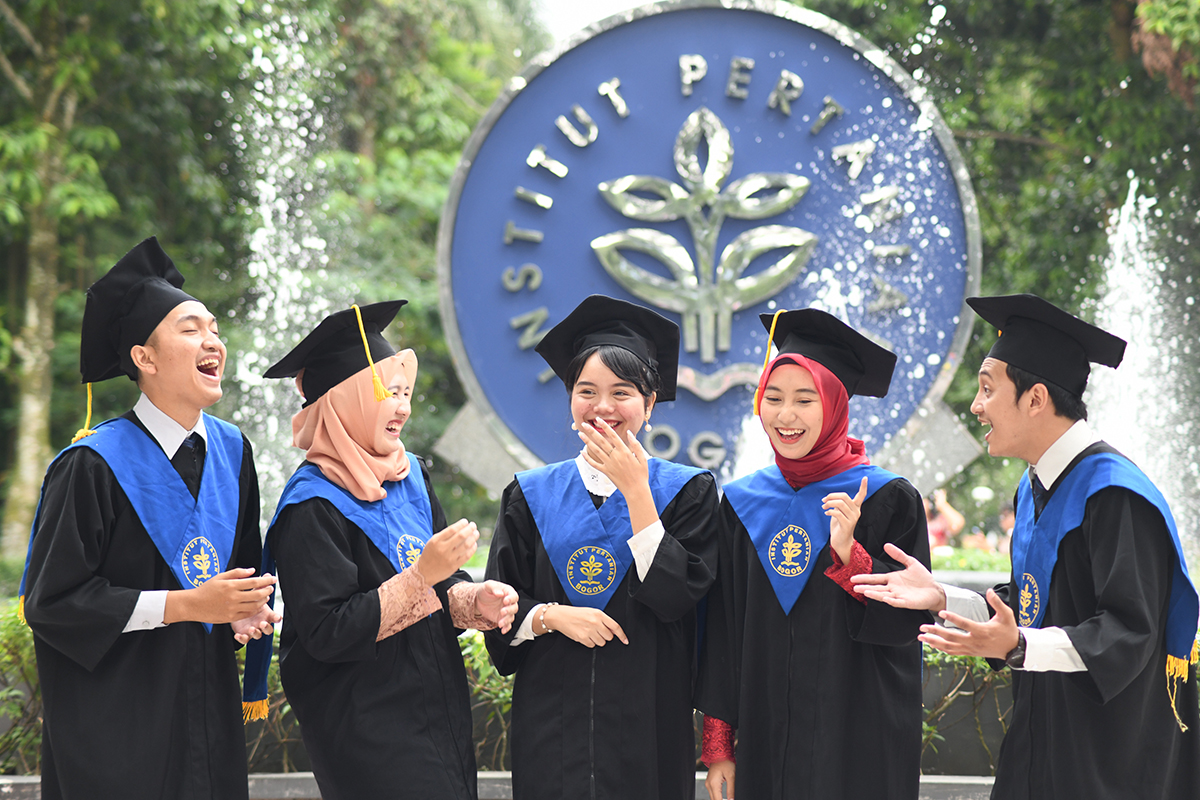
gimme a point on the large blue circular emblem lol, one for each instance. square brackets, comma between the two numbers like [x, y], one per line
[408, 549]
[790, 551]
[1029, 601]
[200, 561]
[710, 159]
[591, 570]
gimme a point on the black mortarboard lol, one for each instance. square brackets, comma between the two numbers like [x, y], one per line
[334, 351]
[604, 320]
[1040, 338]
[862, 366]
[124, 307]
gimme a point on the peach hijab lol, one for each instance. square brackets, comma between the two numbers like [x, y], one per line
[337, 431]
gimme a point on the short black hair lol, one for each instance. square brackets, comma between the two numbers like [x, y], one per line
[1065, 404]
[624, 364]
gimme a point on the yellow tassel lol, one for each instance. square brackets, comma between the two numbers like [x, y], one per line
[86, 430]
[767, 359]
[21, 609]
[1177, 670]
[255, 710]
[381, 391]
[1195, 658]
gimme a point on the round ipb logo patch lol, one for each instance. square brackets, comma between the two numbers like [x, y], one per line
[409, 549]
[200, 561]
[591, 570]
[1030, 601]
[711, 160]
[790, 551]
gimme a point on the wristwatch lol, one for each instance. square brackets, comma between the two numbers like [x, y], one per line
[1016, 656]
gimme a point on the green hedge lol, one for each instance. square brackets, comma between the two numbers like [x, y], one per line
[274, 744]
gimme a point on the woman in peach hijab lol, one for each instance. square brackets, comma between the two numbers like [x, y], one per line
[370, 574]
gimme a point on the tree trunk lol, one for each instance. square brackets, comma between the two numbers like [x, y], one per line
[32, 348]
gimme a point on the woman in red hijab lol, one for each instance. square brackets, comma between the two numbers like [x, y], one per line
[822, 687]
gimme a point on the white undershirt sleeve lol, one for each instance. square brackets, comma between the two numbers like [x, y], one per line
[525, 629]
[148, 613]
[965, 603]
[1050, 650]
[644, 545]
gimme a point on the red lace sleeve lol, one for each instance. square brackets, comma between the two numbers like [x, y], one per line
[717, 741]
[860, 563]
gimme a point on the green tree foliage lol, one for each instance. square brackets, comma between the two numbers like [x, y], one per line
[115, 124]
[1054, 112]
[413, 78]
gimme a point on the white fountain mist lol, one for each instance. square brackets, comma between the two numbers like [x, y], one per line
[1146, 408]
[281, 132]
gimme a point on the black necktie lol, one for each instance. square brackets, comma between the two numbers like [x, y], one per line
[188, 461]
[1039, 496]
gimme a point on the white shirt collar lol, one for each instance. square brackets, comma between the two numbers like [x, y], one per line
[167, 432]
[594, 480]
[1059, 455]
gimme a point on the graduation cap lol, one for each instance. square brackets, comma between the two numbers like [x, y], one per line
[338, 348]
[600, 320]
[1040, 338]
[124, 307]
[862, 366]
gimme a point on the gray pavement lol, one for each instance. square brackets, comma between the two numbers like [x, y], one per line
[497, 786]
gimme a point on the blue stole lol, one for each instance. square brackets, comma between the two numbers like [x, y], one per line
[588, 546]
[1035, 542]
[194, 535]
[787, 526]
[399, 525]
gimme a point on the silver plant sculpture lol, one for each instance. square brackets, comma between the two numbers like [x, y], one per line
[704, 297]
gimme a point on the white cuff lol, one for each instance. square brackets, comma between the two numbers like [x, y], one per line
[148, 613]
[644, 545]
[1050, 650]
[525, 629]
[965, 603]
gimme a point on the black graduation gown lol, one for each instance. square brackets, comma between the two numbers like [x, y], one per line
[146, 714]
[379, 719]
[1108, 732]
[613, 722]
[827, 699]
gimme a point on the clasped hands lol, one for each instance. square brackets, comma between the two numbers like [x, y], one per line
[233, 596]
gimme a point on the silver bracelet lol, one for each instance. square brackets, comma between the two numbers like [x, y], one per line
[542, 618]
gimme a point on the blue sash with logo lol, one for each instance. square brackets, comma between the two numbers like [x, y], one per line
[787, 526]
[194, 535]
[588, 546]
[399, 524]
[1035, 543]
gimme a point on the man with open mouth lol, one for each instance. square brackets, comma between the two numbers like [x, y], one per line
[1098, 621]
[140, 582]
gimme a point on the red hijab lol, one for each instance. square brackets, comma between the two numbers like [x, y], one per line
[835, 451]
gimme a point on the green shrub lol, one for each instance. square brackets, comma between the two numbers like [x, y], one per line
[966, 559]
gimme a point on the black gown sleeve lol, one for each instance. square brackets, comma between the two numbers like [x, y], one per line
[511, 559]
[1128, 569]
[336, 618]
[71, 607]
[685, 564]
[248, 552]
[719, 678]
[893, 514]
